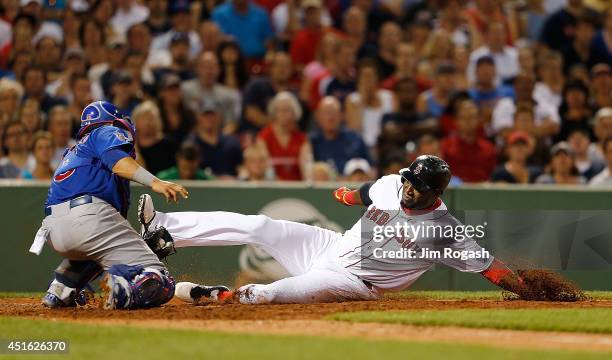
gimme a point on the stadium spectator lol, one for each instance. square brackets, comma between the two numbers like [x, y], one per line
[30, 116]
[59, 125]
[604, 178]
[579, 51]
[575, 111]
[516, 170]
[405, 123]
[601, 47]
[11, 93]
[341, 82]
[206, 86]
[560, 27]
[561, 169]
[187, 166]
[484, 91]
[124, 92]
[358, 170]
[322, 171]
[219, 153]
[180, 19]
[505, 56]
[233, 72]
[602, 127]
[320, 67]
[405, 66]
[93, 41]
[179, 58]
[42, 151]
[354, 28]
[471, 157]
[332, 142]
[158, 21]
[549, 89]
[366, 106]
[305, 42]
[73, 64]
[139, 40]
[461, 60]
[44, 27]
[289, 150]
[81, 95]
[546, 116]
[601, 86]
[210, 35]
[177, 119]
[259, 91]
[156, 151]
[431, 103]
[248, 23]
[34, 80]
[256, 166]
[288, 17]
[17, 158]
[389, 37]
[580, 144]
[49, 55]
[481, 14]
[128, 13]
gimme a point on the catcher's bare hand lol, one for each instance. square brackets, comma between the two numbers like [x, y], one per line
[170, 190]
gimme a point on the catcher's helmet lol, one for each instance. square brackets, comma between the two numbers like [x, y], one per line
[426, 173]
[100, 113]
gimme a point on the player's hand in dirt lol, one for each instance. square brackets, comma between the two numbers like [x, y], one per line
[170, 190]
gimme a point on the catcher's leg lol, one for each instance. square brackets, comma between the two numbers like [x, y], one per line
[296, 246]
[133, 287]
[318, 285]
[70, 283]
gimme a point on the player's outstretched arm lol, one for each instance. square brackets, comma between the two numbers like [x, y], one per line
[129, 169]
[499, 274]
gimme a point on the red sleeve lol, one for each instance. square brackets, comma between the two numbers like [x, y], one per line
[496, 272]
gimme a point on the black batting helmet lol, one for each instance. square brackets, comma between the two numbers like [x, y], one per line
[426, 173]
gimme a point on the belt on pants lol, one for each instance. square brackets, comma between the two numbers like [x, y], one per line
[81, 200]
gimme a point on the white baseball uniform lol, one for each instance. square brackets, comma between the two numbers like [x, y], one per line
[325, 266]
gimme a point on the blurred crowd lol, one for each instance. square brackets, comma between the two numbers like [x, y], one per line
[516, 91]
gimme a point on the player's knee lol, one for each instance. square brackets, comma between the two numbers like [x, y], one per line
[132, 287]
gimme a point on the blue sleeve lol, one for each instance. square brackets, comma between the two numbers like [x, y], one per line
[111, 144]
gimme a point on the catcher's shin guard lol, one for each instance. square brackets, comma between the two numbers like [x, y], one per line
[70, 284]
[133, 287]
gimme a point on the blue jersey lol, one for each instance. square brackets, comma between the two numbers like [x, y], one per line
[86, 169]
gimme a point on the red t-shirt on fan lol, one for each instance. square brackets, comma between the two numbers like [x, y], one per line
[470, 162]
[285, 160]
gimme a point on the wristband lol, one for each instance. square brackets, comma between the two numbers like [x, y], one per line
[142, 176]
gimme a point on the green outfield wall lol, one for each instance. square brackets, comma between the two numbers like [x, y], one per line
[590, 265]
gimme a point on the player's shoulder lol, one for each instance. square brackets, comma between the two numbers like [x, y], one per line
[390, 180]
[110, 132]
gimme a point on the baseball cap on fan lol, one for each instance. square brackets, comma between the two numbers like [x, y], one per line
[357, 164]
[179, 7]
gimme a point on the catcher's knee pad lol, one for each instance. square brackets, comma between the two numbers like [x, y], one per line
[132, 287]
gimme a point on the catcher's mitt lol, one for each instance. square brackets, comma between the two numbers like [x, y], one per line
[160, 242]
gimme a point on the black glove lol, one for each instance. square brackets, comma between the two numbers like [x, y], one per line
[160, 242]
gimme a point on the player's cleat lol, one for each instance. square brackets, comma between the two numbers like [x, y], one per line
[194, 293]
[53, 302]
[146, 212]
[116, 292]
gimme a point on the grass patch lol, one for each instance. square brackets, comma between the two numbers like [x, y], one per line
[93, 342]
[475, 295]
[593, 320]
[4, 295]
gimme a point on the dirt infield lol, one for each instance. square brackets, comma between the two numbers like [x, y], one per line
[176, 310]
[296, 319]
